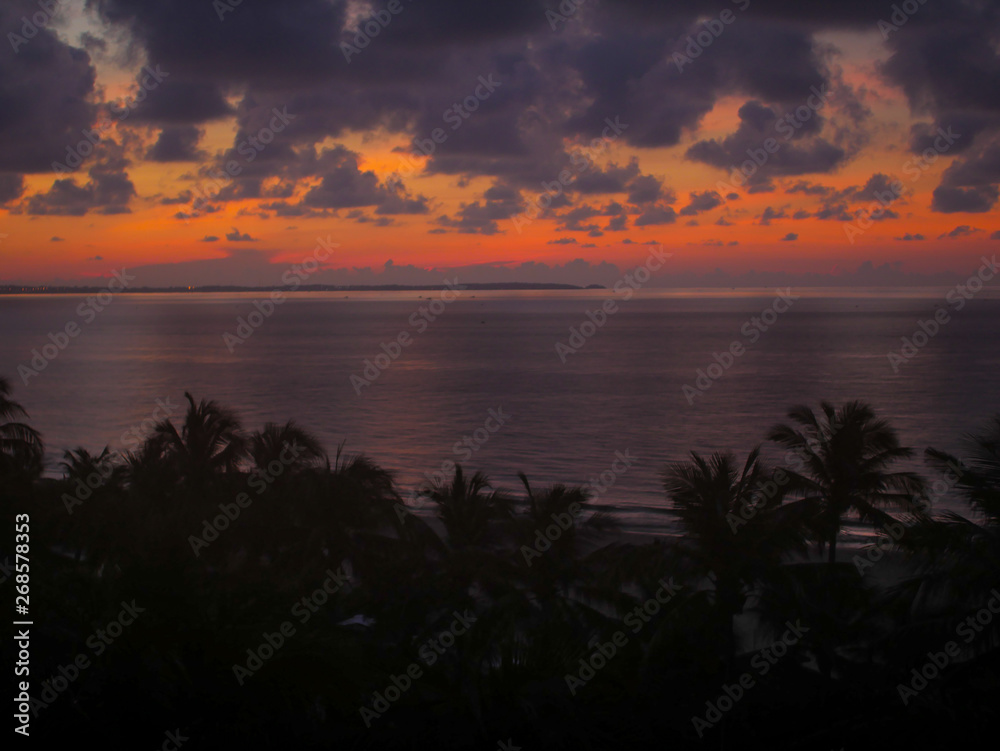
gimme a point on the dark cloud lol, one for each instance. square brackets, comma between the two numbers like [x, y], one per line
[501, 192]
[705, 201]
[963, 230]
[765, 185]
[283, 208]
[46, 90]
[237, 237]
[790, 237]
[432, 57]
[559, 103]
[572, 221]
[646, 189]
[183, 197]
[11, 187]
[971, 183]
[108, 191]
[834, 210]
[176, 144]
[794, 151]
[947, 65]
[911, 238]
[617, 224]
[809, 189]
[771, 214]
[612, 179]
[480, 218]
[656, 214]
[976, 200]
[174, 101]
[344, 185]
[871, 200]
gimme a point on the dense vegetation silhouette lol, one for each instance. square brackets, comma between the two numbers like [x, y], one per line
[504, 599]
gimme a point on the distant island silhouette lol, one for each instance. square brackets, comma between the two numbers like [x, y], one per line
[494, 286]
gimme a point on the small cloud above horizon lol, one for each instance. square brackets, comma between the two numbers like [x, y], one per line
[963, 230]
[237, 237]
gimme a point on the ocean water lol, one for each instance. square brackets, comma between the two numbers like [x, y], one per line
[621, 391]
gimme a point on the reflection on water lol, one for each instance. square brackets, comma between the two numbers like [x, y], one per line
[621, 391]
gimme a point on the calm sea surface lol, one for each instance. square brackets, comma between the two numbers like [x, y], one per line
[620, 392]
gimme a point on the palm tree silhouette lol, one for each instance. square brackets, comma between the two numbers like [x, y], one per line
[711, 497]
[80, 464]
[272, 444]
[847, 454]
[958, 557]
[468, 508]
[21, 447]
[93, 484]
[210, 442]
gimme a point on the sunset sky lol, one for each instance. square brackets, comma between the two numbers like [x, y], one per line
[176, 90]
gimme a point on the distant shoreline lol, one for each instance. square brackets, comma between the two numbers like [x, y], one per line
[497, 286]
[809, 290]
